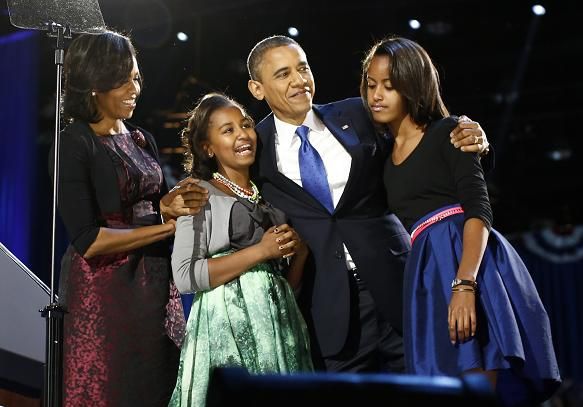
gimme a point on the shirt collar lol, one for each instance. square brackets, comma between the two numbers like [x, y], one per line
[286, 131]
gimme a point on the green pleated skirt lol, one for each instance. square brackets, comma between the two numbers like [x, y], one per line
[251, 322]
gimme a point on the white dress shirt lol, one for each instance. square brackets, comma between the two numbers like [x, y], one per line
[336, 159]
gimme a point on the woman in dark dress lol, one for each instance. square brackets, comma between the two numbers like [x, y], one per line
[124, 321]
[470, 304]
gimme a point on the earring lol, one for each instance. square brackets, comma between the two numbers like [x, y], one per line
[93, 93]
[211, 155]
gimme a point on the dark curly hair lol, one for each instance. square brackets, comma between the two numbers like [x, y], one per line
[196, 161]
[94, 62]
[412, 74]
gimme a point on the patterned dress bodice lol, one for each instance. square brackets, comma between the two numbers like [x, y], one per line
[139, 177]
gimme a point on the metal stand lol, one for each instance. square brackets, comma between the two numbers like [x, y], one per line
[53, 376]
[53, 372]
[66, 17]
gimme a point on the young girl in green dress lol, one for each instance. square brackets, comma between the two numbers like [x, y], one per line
[240, 258]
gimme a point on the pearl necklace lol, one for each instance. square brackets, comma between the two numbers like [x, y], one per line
[251, 195]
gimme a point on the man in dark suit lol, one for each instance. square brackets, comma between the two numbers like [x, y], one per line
[352, 289]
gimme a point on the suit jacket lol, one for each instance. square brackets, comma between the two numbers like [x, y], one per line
[376, 239]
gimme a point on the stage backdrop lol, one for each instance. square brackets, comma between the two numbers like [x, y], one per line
[19, 54]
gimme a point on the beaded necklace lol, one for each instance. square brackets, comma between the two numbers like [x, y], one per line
[251, 195]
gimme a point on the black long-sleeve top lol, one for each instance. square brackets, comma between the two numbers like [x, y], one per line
[88, 183]
[434, 175]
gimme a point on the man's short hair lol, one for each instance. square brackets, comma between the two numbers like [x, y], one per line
[256, 55]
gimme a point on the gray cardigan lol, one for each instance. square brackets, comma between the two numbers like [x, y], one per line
[197, 238]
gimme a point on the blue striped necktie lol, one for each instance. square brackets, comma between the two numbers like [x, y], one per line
[312, 170]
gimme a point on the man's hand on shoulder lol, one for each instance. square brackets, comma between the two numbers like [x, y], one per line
[469, 137]
[186, 198]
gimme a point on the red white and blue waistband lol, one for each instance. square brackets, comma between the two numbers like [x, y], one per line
[436, 217]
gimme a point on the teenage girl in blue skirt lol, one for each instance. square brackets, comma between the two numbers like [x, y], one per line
[470, 304]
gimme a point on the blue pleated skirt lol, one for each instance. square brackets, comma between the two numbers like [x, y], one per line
[513, 331]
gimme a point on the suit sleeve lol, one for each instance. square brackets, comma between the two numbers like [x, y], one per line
[189, 255]
[77, 202]
[488, 161]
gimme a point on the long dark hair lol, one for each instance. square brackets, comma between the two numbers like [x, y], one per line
[196, 160]
[412, 74]
[94, 62]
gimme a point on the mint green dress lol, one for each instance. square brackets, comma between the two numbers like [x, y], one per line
[252, 321]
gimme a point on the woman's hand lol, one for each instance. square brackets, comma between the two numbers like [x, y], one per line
[290, 242]
[186, 198]
[270, 244]
[462, 316]
[282, 241]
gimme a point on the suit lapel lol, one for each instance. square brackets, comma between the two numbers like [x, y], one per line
[339, 125]
[268, 165]
[342, 129]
